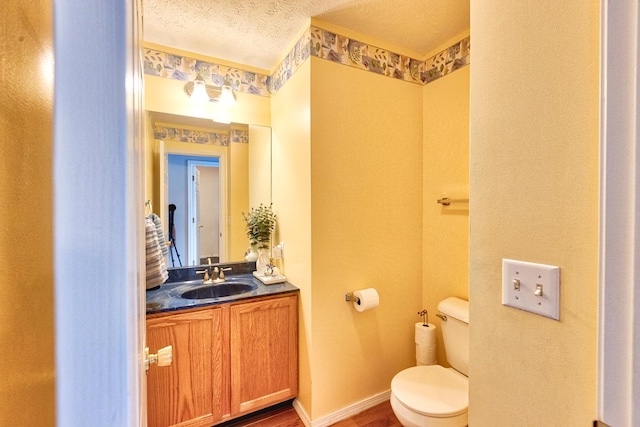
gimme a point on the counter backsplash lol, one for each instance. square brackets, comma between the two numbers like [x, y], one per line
[183, 274]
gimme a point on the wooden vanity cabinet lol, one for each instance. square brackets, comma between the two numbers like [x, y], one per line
[192, 390]
[264, 349]
[228, 360]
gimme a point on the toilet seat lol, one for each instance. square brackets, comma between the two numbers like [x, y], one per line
[433, 391]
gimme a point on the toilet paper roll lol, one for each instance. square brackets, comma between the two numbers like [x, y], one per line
[425, 355]
[425, 335]
[366, 299]
[425, 338]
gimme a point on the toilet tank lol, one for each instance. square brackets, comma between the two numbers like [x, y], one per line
[455, 332]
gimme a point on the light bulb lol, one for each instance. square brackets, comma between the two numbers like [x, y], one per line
[227, 98]
[199, 94]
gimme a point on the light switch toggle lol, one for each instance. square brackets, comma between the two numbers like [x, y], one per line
[531, 287]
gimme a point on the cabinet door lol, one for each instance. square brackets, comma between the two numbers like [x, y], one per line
[264, 348]
[189, 391]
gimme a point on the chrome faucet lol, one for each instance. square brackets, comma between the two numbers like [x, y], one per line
[208, 273]
[213, 274]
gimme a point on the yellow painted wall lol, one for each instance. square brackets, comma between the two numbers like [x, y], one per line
[445, 174]
[238, 184]
[259, 165]
[365, 218]
[534, 197]
[27, 388]
[366, 230]
[168, 96]
[291, 175]
[151, 172]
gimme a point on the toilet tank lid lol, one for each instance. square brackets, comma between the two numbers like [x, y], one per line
[456, 308]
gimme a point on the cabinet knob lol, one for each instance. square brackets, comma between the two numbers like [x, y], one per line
[164, 357]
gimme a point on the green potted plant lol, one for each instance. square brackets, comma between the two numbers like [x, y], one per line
[260, 223]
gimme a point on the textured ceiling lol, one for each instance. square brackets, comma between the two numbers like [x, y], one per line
[258, 32]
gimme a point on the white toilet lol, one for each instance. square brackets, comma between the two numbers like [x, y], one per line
[435, 396]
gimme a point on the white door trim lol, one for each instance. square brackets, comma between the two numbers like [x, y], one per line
[98, 210]
[193, 232]
[204, 151]
[619, 292]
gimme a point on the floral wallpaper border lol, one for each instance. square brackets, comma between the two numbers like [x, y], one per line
[314, 42]
[296, 57]
[447, 61]
[170, 66]
[201, 137]
[346, 51]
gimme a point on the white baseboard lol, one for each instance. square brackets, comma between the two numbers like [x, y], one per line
[341, 414]
[302, 413]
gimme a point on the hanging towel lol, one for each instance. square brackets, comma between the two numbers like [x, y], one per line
[161, 241]
[157, 272]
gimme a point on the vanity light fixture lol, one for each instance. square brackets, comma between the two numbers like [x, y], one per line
[198, 93]
[227, 97]
[201, 93]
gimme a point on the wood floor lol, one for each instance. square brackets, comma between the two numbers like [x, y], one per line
[379, 416]
[284, 415]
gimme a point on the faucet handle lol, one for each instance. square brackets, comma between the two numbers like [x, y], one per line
[206, 274]
[222, 270]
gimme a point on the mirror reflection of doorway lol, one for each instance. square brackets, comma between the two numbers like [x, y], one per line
[194, 188]
[204, 210]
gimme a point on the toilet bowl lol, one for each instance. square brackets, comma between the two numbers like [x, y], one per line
[430, 396]
[435, 396]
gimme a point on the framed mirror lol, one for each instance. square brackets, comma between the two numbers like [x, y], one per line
[206, 176]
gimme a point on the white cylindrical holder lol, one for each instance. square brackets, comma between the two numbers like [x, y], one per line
[425, 338]
[366, 299]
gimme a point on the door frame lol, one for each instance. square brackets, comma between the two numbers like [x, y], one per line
[192, 206]
[618, 388]
[98, 210]
[193, 214]
[207, 151]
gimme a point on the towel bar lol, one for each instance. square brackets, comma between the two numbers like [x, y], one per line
[446, 201]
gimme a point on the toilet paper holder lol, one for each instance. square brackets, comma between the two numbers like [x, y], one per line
[425, 317]
[349, 296]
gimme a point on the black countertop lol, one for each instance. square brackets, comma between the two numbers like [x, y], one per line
[167, 296]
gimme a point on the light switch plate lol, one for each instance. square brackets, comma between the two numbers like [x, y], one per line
[521, 279]
[278, 251]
